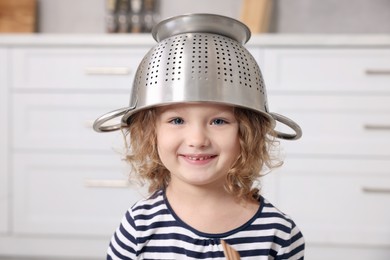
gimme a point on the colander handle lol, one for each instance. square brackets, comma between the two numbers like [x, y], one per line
[290, 123]
[98, 125]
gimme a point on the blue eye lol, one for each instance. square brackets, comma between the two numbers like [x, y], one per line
[218, 121]
[177, 121]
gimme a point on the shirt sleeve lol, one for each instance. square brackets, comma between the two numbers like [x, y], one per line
[294, 247]
[123, 244]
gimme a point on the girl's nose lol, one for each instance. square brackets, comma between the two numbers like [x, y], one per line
[198, 137]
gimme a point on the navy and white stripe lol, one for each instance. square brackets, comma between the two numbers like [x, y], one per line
[151, 230]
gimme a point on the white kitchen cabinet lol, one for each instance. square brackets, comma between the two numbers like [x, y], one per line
[335, 182]
[4, 172]
[326, 252]
[337, 70]
[338, 125]
[63, 187]
[67, 182]
[62, 122]
[75, 69]
[54, 104]
[70, 194]
[350, 199]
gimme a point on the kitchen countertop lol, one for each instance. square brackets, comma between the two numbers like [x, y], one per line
[275, 40]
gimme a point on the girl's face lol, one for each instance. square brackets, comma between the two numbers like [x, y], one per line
[198, 143]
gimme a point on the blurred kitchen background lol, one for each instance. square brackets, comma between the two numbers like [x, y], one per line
[297, 16]
[63, 63]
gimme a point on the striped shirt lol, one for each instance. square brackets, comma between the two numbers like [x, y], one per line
[151, 230]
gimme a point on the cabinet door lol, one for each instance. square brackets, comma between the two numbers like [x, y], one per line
[75, 69]
[337, 126]
[338, 201]
[4, 199]
[70, 193]
[328, 70]
[337, 252]
[57, 122]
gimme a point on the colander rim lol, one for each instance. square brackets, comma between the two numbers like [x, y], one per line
[202, 23]
[127, 112]
[125, 118]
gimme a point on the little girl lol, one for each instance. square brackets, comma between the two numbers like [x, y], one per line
[199, 132]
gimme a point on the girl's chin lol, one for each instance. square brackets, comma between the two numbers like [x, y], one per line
[198, 179]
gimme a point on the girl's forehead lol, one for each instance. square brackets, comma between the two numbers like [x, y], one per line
[200, 106]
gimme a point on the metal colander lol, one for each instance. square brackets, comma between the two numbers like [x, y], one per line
[198, 58]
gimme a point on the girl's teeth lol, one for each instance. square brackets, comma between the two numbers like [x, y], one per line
[199, 159]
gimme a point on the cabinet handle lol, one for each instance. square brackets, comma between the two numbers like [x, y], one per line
[107, 71]
[95, 183]
[377, 71]
[376, 127]
[376, 190]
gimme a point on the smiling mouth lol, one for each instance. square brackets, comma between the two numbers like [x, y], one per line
[200, 158]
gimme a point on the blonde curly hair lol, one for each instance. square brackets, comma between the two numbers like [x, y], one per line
[256, 142]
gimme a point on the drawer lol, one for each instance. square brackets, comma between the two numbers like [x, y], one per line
[326, 252]
[328, 70]
[337, 201]
[70, 194]
[337, 126]
[75, 68]
[60, 122]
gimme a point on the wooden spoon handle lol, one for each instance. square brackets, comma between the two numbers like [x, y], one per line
[229, 252]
